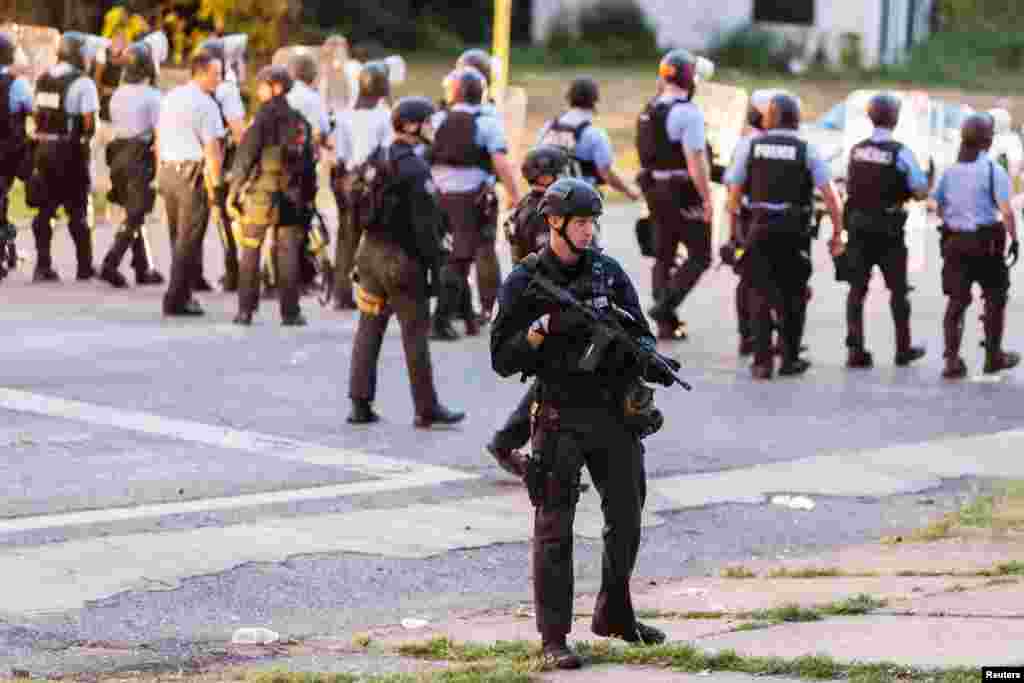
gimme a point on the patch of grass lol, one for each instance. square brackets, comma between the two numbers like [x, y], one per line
[738, 572]
[1014, 568]
[806, 573]
[753, 626]
[790, 613]
[857, 605]
[1002, 581]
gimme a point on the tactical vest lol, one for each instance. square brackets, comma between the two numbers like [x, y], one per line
[529, 230]
[8, 126]
[874, 181]
[51, 105]
[455, 143]
[568, 137]
[655, 149]
[777, 171]
[282, 171]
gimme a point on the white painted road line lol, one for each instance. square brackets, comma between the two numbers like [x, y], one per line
[388, 474]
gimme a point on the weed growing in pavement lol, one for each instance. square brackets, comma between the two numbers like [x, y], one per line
[1014, 568]
[806, 573]
[790, 613]
[1001, 581]
[738, 572]
[857, 605]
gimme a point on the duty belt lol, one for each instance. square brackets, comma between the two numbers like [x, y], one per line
[671, 174]
[180, 166]
[54, 137]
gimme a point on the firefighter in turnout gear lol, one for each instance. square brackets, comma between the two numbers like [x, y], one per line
[359, 132]
[527, 232]
[675, 181]
[883, 174]
[135, 115]
[973, 199]
[469, 149]
[66, 104]
[578, 418]
[398, 267]
[589, 148]
[778, 171]
[271, 186]
[15, 107]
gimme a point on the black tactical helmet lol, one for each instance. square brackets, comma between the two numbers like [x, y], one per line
[479, 60]
[140, 64]
[884, 110]
[303, 67]
[679, 67]
[276, 74]
[71, 48]
[411, 110]
[545, 160]
[7, 49]
[977, 131]
[465, 85]
[374, 80]
[571, 197]
[783, 112]
[583, 93]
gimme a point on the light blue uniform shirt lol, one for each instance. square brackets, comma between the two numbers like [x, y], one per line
[490, 135]
[737, 173]
[308, 102]
[189, 119]
[134, 110]
[19, 97]
[358, 132]
[968, 194]
[905, 162]
[684, 126]
[594, 144]
[83, 97]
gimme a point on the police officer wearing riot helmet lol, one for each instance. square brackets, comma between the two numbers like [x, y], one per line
[228, 98]
[476, 58]
[15, 107]
[358, 132]
[190, 174]
[272, 184]
[882, 175]
[671, 143]
[527, 232]
[468, 149]
[579, 419]
[590, 147]
[973, 199]
[134, 112]
[739, 223]
[66, 103]
[779, 172]
[398, 264]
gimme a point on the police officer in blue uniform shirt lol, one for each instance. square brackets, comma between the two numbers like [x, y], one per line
[15, 107]
[973, 198]
[589, 147]
[882, 175]
[134, 112]
[671, 144]
[66, 104]
[190, 174]
[779, 172]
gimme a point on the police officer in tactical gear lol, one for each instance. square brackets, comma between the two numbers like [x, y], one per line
[973, 199]
[15, 107]
[478, 59]
[398, 265]
[272, 184]
[882, 175]
[674, 178]
[528, 232]
[469, 148]
[590, 148]
[739, 225]
[190, 174]
[579, 417]
[228, 98]
[135, 114]
[779, 172]
[66, 103]
[359, 131]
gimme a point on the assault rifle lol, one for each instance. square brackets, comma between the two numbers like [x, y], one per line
[605, 329]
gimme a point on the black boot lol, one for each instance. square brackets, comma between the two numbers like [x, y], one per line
[440, 415]
[362, 412]
[114, 277]
[556, 651]
[859, 358]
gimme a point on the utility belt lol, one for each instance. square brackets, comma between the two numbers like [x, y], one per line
[793, 220]
[989, 239]
[634, 403]
[181, 167]
[649, 179]
[890, 221]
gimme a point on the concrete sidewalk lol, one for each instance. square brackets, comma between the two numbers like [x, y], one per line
[939, 605]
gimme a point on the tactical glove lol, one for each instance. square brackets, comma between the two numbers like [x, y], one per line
[1013, 254]
[662, 373]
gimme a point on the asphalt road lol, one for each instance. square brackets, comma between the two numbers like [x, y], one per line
[164, 482]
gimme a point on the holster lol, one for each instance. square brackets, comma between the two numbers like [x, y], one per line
[641, 416]
[553, 469]
[487, 203]
[882, 222]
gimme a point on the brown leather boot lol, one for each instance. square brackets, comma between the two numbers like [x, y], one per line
[557, 652]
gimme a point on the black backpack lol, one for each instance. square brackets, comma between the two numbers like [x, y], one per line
[373, 196]
[567, 137]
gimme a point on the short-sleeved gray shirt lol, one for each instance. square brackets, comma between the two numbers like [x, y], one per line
[230, 100]
[308, 102]
[359, 131]
[134, 110]
[189, 119]
[968, 194]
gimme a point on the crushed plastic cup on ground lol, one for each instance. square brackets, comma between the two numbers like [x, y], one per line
[255, 636]
[413, 624]
[794, 502]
